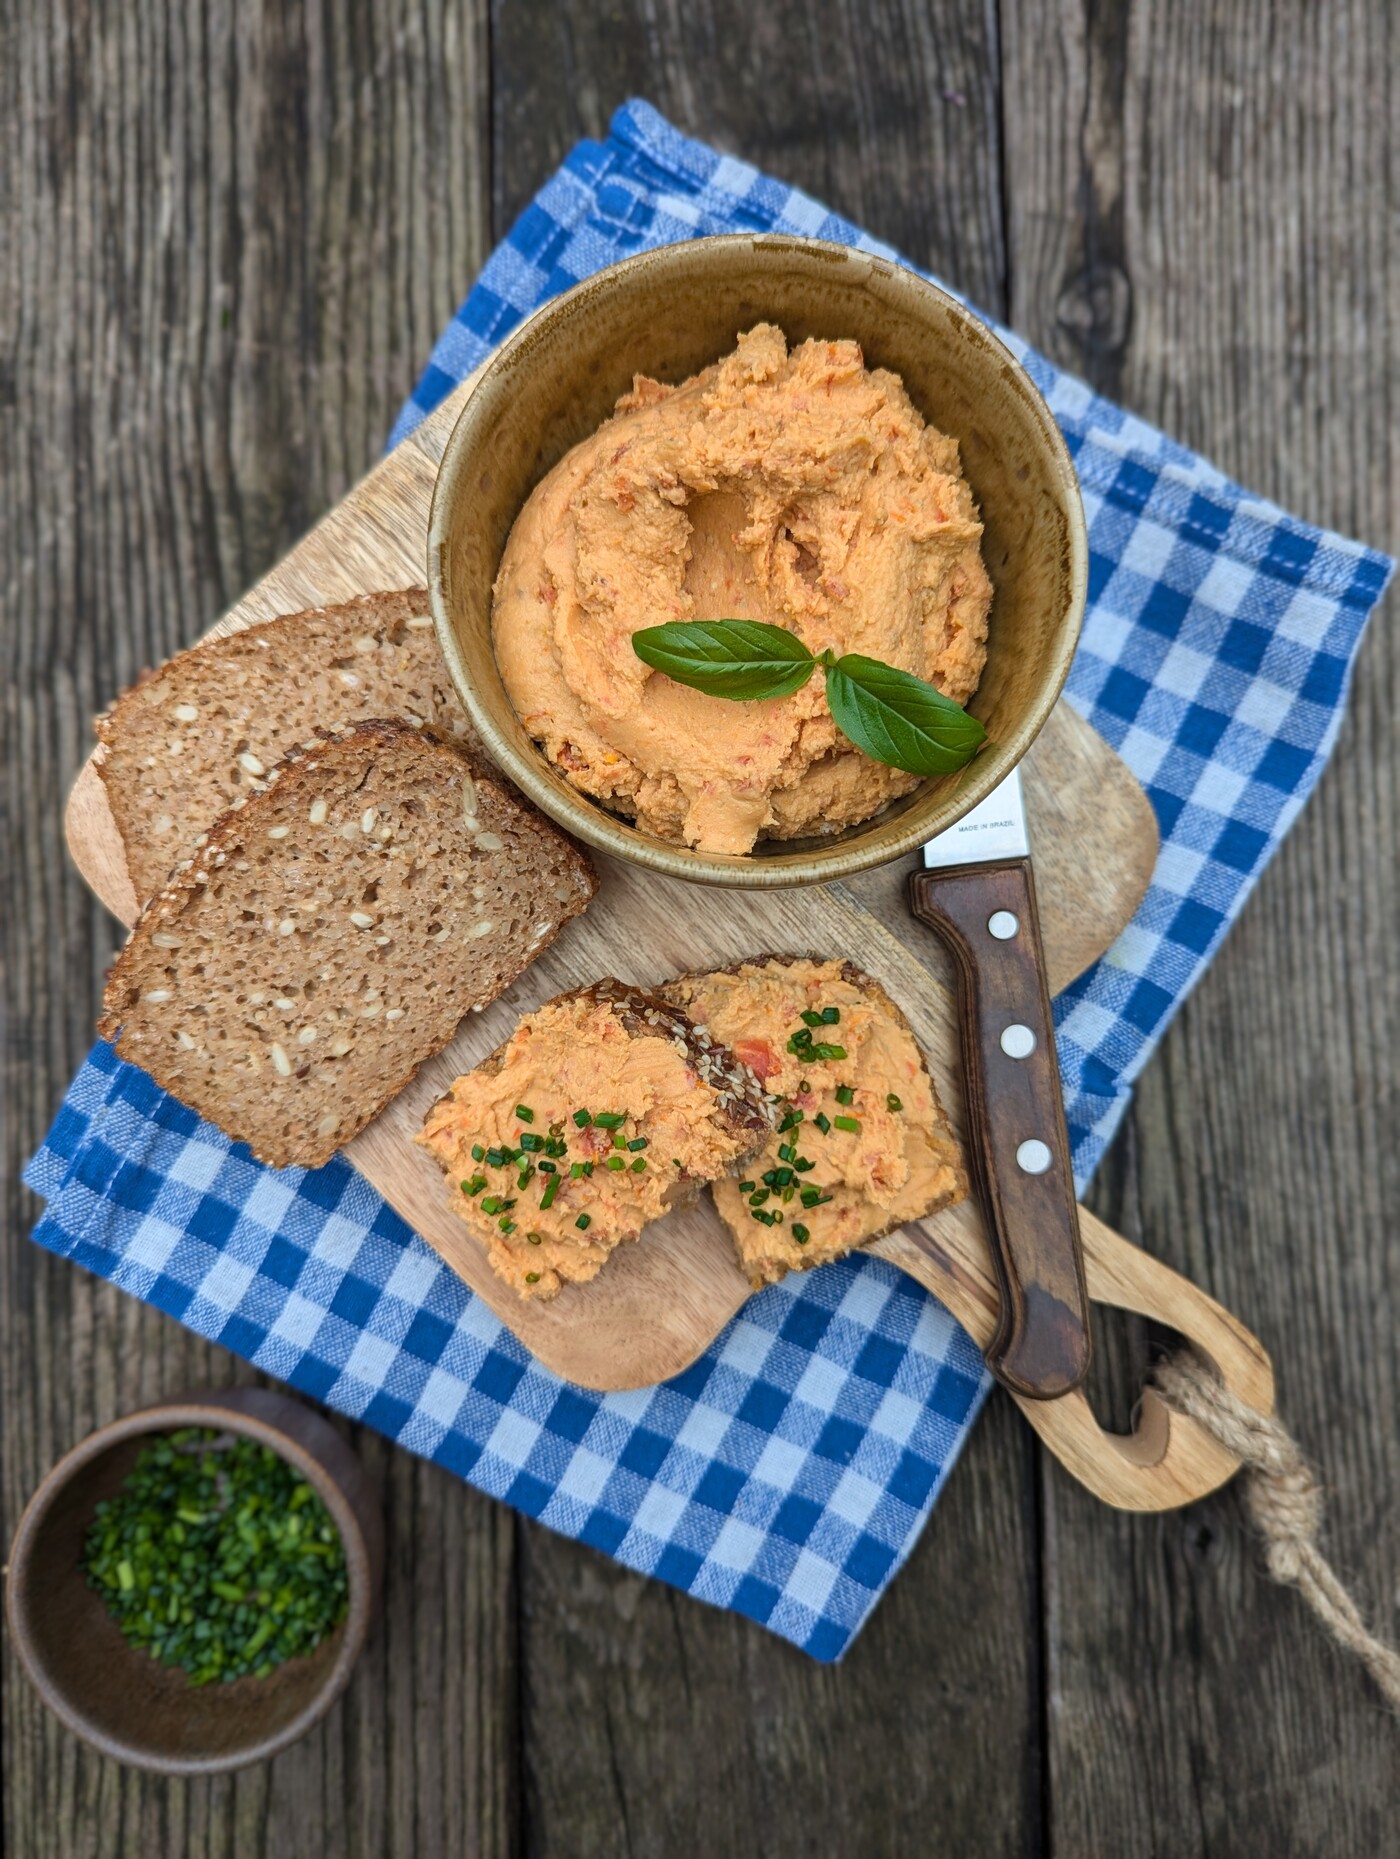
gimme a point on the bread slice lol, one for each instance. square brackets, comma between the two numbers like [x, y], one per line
[188, 740]
[330, 933]
[605, 1109]
[900, 1163]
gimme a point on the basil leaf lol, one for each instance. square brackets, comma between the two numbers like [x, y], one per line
[727, 658]
[900, 720]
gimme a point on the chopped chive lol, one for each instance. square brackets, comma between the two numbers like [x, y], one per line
[757, 1199]
[616, 1162]
[532, 1278]
[812, 1018]
[803, 1163]
[611, 1119]
[781, 1177]
[525, 1177]
[478, 1153]
[844, 1094]
[800, 1233]
[746, 1187]
[848, 1123]
[788, 1152]
[675, 1161]
[531, 1143]
[790, 1121]
[893, 1103]
[823, 1122]
[619, 1140]
[535, 1239]
[583, 1222]
[506, 1224]
[830, 1016]
[813, 1197]
[524, 1112]
[770, 1178]
[497, 1158]
[827, 1052]
[475, 1185]
[492, 1204]
[639, 1165]
[638, 1142]
[548, 1168]
[787, 1193]
[582, 1118]
[576, 1171]
[551, 1188]
[802, 1088]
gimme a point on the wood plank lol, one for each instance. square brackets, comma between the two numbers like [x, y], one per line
[1201, 220]
[687, 1731]
[224, 229]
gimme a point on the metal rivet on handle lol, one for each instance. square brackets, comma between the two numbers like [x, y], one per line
[1033, 1157]
[1003, 924]
[1017, 1041]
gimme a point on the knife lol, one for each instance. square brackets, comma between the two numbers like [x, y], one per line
[977, 893]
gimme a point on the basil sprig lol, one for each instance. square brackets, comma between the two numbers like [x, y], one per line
[891, 715]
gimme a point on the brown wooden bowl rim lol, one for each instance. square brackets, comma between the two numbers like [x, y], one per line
[204, 1408]
[607, 832]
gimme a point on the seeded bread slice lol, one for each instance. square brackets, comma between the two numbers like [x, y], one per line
[330, 933]
[538, 1111]
[901, 1163]
[185, 742]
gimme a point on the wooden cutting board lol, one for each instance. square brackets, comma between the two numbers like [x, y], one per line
[661, 1302]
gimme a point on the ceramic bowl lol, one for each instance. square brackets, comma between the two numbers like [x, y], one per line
[117, 1697]
[669, 312]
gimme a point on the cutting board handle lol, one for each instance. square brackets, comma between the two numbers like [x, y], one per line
[1166, 1460]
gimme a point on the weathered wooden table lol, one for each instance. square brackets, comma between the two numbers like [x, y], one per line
[230, 234]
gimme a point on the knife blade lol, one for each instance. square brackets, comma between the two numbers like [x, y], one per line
[977, 893]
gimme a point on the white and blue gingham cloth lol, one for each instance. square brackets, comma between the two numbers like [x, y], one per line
[788, 1473]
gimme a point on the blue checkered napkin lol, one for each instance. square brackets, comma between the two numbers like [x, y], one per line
[788, 1473]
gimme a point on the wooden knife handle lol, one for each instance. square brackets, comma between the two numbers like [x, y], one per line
[986, 914]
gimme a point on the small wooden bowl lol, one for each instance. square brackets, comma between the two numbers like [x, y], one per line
[669, 312]
[117, 1697]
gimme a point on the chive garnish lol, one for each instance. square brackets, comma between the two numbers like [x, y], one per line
[576, 1171]
[823, 1122]
[844, 1094]
[583, 1222]
[216, 1557]
[813, 1197]
[611, 1119]
[746, 1187]
[892, 1102]
[830, 1016]
[639, 1165]
[548, 1168]
[535, 1239]
[811, 1018]
[848, 1123]
[532, 1278]
[551, 1188]
[531, 1143]
[803, 1163]
[492, 1204]
[638, 1142]
[478, 1153]
[788, 1152]
[475, 1185]
[800, 1233]
[615, 1162]
[506, 1224]
[582, 1118]
[524, 1112]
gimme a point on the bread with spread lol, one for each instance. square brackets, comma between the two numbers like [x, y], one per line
[331, 931]
[606, 1108]
[861, 1143]
[190, 739]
